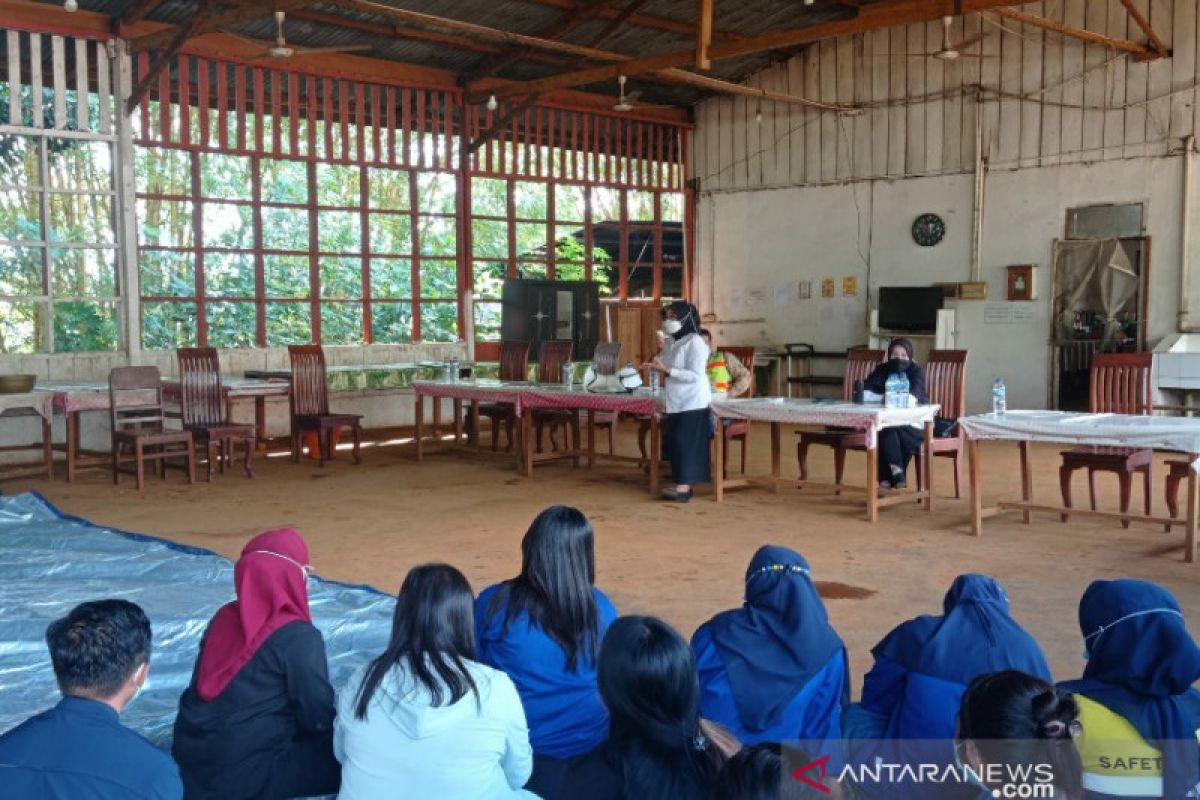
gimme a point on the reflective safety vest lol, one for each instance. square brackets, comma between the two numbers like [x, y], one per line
[1117, 761]
[718, 373]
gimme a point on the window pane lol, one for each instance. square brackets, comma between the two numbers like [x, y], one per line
[85, 327]
[227, 225]
[672, 281]
[391, 233]
[80, 165]
[489, 238]
[162, 170]
[641, 206]
[285, 228]
[533, 270]
[85, 218]
[569, 272]
[167, 274]
[225, 177]
[21, 270]
[606, 204]
[489, 278]
[530, 199]
[341, 323]
[338, 185]
[228, 274]
[672, 207]
[531, 239]
[487, 322]
[20, 215]
[284, 181]
[569, 203]
[20, 327]
[436, 192]
[391, 323]
[286, 276]
[439, 322]
[389, 188]
[341, 277]
[82, 272]
[391, 278]
[568, 242]
[165, 222]
[166, 326]
[18, 160]
[438, 236]
[289, 323]
[489, 197]
[439, 279]
[339, 231]
[231, 324]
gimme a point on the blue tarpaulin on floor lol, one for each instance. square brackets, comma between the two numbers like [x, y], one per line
[50, 562]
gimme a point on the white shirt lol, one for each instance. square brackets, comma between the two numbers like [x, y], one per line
[687, 386]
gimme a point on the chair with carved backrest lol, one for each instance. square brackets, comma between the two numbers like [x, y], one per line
[946, 382]
[860, 363]
[309, 403]
[202, 402]
[1120, 384]
[138, 423]
[514, 367]
[738, 430]
[553, 355]
[607, 360]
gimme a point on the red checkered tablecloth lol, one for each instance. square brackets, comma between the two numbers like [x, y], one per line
[641, 404]
[470, 390]
[39, 403]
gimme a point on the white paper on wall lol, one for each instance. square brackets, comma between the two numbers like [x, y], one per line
[783, 294]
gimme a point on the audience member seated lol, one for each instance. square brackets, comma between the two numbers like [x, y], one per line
[762, 773]
[543, 629]
[727, 375]
[1140, 714]
[911, 696]
[775, 669]
[424, 719]
[79, 749]
[655, 749]
[257, 719]
[1016, 731]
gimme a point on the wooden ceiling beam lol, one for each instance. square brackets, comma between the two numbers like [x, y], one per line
[203, 13]
[625, 14]
[237, 16]
[1136, 15]
[136, 12]
[684, 29]
[704, 26]
[1140, 51]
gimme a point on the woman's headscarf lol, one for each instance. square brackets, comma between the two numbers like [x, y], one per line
[900, 341]
[271, 591]
[1142, 663]
[688, 316]
[778, 640]
[974, 636]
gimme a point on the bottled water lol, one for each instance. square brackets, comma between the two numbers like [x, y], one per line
[999, 398]
[891, 391]
[568, 374]
[902, 387]
[654, 377]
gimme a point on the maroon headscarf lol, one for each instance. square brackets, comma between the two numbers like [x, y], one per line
[272, 591]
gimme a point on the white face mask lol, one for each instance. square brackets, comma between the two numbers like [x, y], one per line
[672, 326]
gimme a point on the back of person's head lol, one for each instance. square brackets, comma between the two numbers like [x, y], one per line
[1011, 719]
[760, 773]
[433, 634]
[647, 680]
[558, 570]
[99, 647]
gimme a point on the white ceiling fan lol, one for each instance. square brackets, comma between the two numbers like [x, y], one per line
[625, 100]
[281, 49]
[949, 51]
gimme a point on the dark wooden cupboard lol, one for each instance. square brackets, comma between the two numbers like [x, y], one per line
[535, 311]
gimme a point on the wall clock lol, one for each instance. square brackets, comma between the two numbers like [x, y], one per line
[928, 230]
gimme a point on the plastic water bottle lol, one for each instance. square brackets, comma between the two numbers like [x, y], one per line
[654, 378]
[999, 398]
[568, 374]
[891, 391]
[902, 387]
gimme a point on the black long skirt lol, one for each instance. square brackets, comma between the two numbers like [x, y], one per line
[685, 444]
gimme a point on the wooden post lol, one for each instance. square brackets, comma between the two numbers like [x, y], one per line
[704, 18]
[1026, 481]
[872, 484]
[419, 411]
[976, 489]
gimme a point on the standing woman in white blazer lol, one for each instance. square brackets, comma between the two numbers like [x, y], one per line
[688, 427]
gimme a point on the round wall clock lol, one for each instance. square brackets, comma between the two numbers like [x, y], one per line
[928, 230]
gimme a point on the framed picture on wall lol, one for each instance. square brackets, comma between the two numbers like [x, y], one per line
[1020, 282]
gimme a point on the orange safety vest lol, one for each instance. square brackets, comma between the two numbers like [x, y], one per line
[718, 372]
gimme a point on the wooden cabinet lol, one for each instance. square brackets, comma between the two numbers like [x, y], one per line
[534, 311]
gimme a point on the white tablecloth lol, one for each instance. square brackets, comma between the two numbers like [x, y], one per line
[866, 417]
[1181, 434]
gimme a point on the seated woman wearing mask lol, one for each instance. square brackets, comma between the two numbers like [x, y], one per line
[898, 445]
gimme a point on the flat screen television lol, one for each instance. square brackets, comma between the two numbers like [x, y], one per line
[909, 308]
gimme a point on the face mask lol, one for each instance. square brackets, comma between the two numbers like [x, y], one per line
[899, 364]
[672, 326]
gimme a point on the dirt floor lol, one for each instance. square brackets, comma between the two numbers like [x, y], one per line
[682, 562]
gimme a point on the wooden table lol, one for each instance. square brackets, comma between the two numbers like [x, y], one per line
[867, 418]
[71, 400]
[30, 404]
[1175, 434]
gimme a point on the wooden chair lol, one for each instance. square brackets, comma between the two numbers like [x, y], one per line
[553, 355]
[860, 363]
[1178, 473]
[1120, 384]
[514, 366]
[946, 382]
[139, 425]
[309, 404]
[203, 406]
[607, 360]
[738, 430]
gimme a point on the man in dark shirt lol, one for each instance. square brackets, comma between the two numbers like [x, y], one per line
[79, 750]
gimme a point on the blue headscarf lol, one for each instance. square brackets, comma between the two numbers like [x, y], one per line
[1142, 663]
[778, 640]
[974, 636]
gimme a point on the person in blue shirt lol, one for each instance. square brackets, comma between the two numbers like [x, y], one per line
[1139, 710]
[79, 750]
[911, 696]
[543, 628]
[774, 669]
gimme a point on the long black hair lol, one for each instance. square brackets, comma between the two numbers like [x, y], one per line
[759, 772]
[647, 679]
[1013, 718]
[433, 634]
[558, 569]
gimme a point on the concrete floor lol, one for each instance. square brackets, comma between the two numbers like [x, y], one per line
[373, 522]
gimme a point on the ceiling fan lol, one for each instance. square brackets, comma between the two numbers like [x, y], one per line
[949, 51]
[281, 49]
[625, 100]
